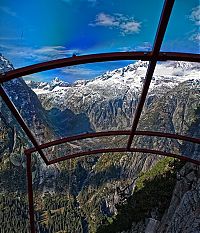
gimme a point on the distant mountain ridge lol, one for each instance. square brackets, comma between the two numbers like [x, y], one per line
[110, 100]
[169, 73]
[47, 86]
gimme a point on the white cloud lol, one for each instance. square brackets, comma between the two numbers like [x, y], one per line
[55, 51]
[126, 25]
[130, 27]
[79, 71]
[145, 46]
[195, 37]
[8, 11]
[24, 55]
[195, 15]
[103, 19]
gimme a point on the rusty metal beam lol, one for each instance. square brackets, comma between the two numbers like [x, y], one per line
[113, 133]
[164, 19]
[92, 58]
[21, 121]
[174, 56]
[30, 192]
[113, 150]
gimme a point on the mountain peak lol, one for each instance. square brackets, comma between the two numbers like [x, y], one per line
[5, 65]
[141, 64]
[56, 79]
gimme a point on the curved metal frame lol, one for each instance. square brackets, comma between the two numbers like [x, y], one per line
[111, 133]
[29, 152]
[153, 56]
[92, 58]
[115, 150]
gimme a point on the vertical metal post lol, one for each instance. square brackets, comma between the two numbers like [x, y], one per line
[30, 192]
[164, 19]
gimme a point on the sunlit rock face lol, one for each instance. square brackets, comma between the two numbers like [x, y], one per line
[183, 212]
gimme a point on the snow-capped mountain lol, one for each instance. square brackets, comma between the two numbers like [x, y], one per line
[110, 99]
[44, 124]
[45, 87]
[5, 65]
[104, 103]
[167, 74]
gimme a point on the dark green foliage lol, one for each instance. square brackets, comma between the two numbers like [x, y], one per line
[13, 214]
[60, 214]
[9, 174]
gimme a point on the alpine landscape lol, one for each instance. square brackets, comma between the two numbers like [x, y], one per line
[115, 192]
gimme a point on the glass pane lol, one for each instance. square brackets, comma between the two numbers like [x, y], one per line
[38, 31]
[173, 98]
[81, 100]
[182, 33]
[172, 106]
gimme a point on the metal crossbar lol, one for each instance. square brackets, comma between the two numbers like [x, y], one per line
[155, 52]
[112, 133]
[92, 58]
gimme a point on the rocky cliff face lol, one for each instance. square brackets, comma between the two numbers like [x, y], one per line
[12, 138]
[109, 101]
[117, 175]
[182, 215]
[27, 104]
[184, 210]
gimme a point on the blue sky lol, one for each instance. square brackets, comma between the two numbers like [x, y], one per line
[39, 30]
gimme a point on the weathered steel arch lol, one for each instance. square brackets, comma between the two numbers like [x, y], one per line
[111, 133]
[92, 58]
[114, 150]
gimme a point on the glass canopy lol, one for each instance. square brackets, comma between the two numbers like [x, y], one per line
[40, 31]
